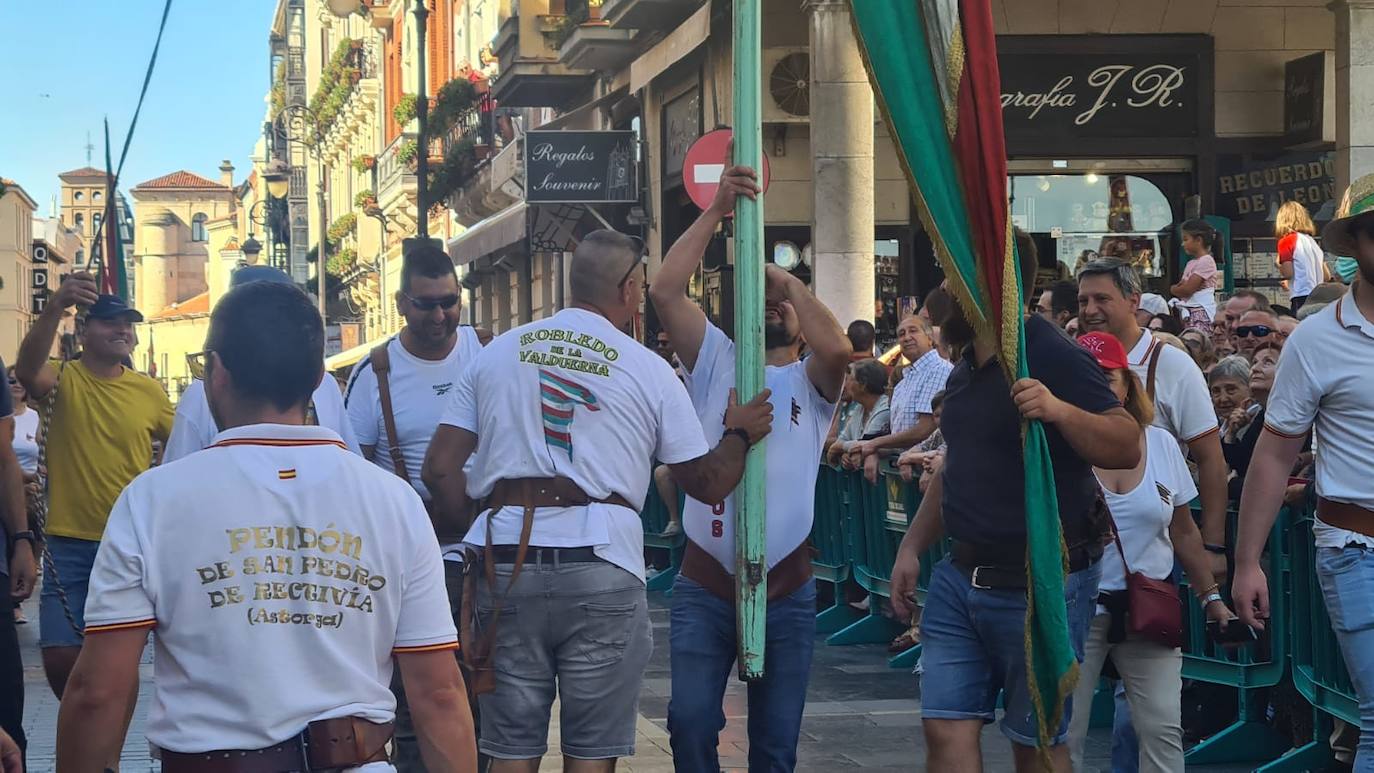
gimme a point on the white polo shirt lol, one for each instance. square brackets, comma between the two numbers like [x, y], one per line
[1323, 381]
[801, 422]
[194, 428]
[281, 574]
[571, 396]
[1183, 404]
[420, 390]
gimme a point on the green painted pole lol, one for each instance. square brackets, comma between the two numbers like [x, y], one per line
[751, 577]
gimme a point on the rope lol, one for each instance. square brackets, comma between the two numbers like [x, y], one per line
[40, 509]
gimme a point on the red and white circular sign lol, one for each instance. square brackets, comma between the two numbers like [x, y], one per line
[706, 162]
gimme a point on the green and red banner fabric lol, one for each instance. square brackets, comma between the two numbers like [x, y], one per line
[933, 67]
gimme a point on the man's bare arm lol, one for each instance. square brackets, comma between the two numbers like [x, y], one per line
[91, 719]
[683, 320]
[901, 441]
[1212, 473]
[439, 706]
[830, 347]
[15, 516]
[442, 472]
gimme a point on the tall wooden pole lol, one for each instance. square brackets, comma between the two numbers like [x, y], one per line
[751, 576]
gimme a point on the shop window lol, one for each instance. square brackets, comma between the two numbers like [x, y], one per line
[1090, 215]
[198, 227]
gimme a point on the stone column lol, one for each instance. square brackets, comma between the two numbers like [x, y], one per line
[841, 165]
[1354, 90]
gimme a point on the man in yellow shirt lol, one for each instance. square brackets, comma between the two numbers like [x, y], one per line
[103, 424]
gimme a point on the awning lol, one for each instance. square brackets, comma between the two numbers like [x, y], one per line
[667, 52]
[349, 357]
[495, 233]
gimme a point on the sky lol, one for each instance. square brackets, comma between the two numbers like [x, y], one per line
[70, 63]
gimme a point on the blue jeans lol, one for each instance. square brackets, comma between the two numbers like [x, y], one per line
[72, 560]
[973, 646]
[1125, 745]
[1347, 579]
[702, 643]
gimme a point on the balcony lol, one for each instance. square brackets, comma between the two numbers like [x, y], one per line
[396, 180]
[594, 45]
[487, 136]
[531, 71]
[662, 15]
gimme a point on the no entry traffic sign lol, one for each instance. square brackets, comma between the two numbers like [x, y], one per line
[706, 162]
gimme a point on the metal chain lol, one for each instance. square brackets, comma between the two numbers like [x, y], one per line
[41, 508]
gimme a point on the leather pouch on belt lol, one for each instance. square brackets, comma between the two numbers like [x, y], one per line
[347, 742]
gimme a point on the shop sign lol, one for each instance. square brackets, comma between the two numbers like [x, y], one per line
[1304, 98]
[38, 283]
[1074, 94]
[580, 167]
[1251, 187]
[681, 127]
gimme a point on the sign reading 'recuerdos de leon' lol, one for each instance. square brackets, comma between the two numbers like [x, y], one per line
[582, 167]
[1122, 90]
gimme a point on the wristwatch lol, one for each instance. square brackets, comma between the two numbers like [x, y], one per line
[1210, 597]
[24, 536]
[741, 432]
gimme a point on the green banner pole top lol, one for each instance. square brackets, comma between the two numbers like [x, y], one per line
[751, 577]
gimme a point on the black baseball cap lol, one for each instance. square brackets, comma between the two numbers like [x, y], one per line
[113, 307]
[246, 274]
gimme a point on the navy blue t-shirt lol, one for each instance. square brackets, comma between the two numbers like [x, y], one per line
[984, 476]
[6, 410]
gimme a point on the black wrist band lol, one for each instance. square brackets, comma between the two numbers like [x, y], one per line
[740, 432]
[24, 536]
[1218, 549]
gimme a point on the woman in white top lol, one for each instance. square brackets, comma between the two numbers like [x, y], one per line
[1149, 505]
[26, 448]
[1301, 260]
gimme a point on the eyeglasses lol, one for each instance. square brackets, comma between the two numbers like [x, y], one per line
[642, 260]
[1258, 331]
[430, 304]
[14, 381]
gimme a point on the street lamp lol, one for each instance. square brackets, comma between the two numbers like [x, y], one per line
[277, 175]
[250, 249]
[304, 118]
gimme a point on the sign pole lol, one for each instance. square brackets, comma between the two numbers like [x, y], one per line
[751, 577]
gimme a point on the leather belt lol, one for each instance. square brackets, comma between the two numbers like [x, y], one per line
[990, 568]
[326, 745]
[1344, 515]
[784, 578]
[535, 555]
[544, 492]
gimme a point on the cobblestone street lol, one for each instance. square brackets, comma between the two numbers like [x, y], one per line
[859, 714]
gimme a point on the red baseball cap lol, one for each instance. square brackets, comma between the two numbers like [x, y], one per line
[1108, 351]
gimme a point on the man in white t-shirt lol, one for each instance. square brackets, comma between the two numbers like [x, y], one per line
[562, 419]
[421, 365]
[1322, 383]
[1109, 293]
[194, 428]
[804, 394]
[282, 576]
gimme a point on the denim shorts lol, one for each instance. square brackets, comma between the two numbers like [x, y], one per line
[973, 647]
[72, 560]
[580, 630]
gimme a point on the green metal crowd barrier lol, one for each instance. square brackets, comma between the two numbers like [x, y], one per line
[654, 516]
[858, 527]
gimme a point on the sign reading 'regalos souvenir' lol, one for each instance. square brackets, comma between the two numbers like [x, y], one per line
[578, 167]
[1131, 93]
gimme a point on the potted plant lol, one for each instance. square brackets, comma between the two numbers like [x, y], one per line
[408, 152]
[364, 200]
[404, 109]
[364, 163]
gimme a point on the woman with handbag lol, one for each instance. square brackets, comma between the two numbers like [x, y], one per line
[1138, 626]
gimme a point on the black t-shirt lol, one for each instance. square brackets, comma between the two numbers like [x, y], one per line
[984, 475]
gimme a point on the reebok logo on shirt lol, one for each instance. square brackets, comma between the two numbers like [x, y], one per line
[1164, 493]
[443, 389]
[796, 412]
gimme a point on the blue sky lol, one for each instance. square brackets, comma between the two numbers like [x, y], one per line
[69, 63]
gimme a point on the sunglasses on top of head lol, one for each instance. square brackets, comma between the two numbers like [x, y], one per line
[643, 259]
[1258, 331]
[430, 304]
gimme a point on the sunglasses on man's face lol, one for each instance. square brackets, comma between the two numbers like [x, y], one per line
[1258, 331]
[430, 304]
[642, 260]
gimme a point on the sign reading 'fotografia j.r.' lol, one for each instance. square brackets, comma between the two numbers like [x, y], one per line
[580, 167]
[1124, 93]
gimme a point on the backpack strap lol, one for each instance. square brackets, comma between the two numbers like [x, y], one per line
[1154, 366]
[381, 368]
